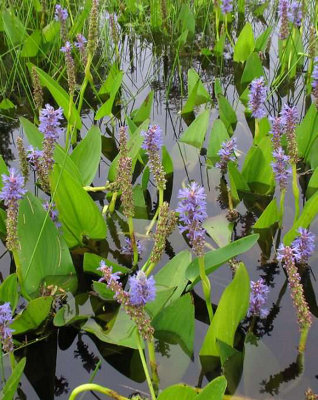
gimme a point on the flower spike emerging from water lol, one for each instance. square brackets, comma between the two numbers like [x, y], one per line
[281, 167]
[289, 118]
[258, 297]
[5, 332]
[70, 67]
[257, 98]
[12, 191]
[305, 245]
[226, 153]
[276, 132]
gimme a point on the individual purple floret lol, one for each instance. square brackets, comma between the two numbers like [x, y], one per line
[152, 139]
[81, 45]
[53, 213]
[283, 15]
[314, 84]
[226, 153]
[305, 244]
[281, 168]
[61, 14]
[5, 332]
[128, 248]
[67, 48]
[34, 156]
[13, 188]
[192, 213]
[295, 13]
[258, 297]
[276, 132]
[142, 289]
[50, 124]
[257, 98]
[112, 276]
[227, 6]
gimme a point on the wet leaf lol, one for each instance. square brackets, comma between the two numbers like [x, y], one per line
[219, 228]
[232, 307]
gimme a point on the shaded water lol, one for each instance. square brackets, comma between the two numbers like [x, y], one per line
[67, 358]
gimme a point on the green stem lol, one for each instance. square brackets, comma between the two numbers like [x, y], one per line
[150, 268]
[133, 240]
[206, 286]
[303, 340]
[112, 203]
[145, 367]
[153, 364]
[295, 191]
[97, 388]
[256, 127]
[153, 221]
[1, 364]
[229, 198]
[95, 188]
[281, 207]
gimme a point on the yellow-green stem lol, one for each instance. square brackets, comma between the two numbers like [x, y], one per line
[133, 240]
[229, 198]
[112, 203]
[154, 219]
[153, 365]
[206, 286]
[150, 268]
[145, 367]
[303, 340]
[295, 191]
[97, 388]
[281, 207]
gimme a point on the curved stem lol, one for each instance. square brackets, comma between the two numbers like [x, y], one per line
[153, 221]
[97, 388]
[145, 367]
[206, 286]
[295, 191]
[112, 203]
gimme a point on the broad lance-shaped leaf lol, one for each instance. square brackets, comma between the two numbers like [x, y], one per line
[79, 215]
[312, 184]
[9, 389]
[9, 291]
[307, 132]
[106, 108]
[227, 114]
[269, 216]
[86, 155]
[179, 391]
[33, 316]
[195, 133]
[213, 390]
[218, 135]
[219, 228]
[35, 138]
[215, 258]
[60, 96]
[175, 323]
[43, 251]
[309, 212]
[197, 94]
[232, 308]
[253, 69]
[245, 44]
[143, 113]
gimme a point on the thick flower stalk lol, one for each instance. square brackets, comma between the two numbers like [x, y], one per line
[258, 298]
[23, 159]
[81, 45]
[295, 13]
[276, 132]
[61, 15]
[288, 255]
[281, 168]
[283, 15]
[227, 154]
[12, 191]
[5, 331]
[314, 84]
[93, 29]
[227, 6]
[166, 223]
[289, 119]
[70, 67]
[257, 98]
[37, 89]
[135, 312]
[50, 126]
[305, 245]
[152, 144]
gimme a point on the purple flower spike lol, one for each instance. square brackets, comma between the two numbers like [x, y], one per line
[295, 13]
[13, 188]
[192, 213]
[314, 84]
[50, 122]
[258, 297]
[276, 132]
[281, 167]
[67, 48]
[226, 153]
[81, 41]
[257, 98]
[142, 289]
[289, 117]
[305, 244]
[61, 14]
[5, 331]
[34, 156]
[128, 249]
[283, 15]
[152, 139]
[227, 6]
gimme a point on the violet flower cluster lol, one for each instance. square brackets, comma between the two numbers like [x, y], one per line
[289, 255]
[257, 98]
[13, 190]
[281, 168]
[127, 248]
[227, 6]
[276, 132]
[227, 154]
[142, 290]
[192, 213]
[81, 45]
[70, 66]
[303, 245]
[258, 298]
[152, 144]
[61, 15]
[289, 119]
[314, 84]
[53, 213]
[295, 13]
[283, 8]
[5, 331]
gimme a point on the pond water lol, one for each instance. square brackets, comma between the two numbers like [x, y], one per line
[59, 360]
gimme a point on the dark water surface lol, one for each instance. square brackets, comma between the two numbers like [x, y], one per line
[270, 369]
